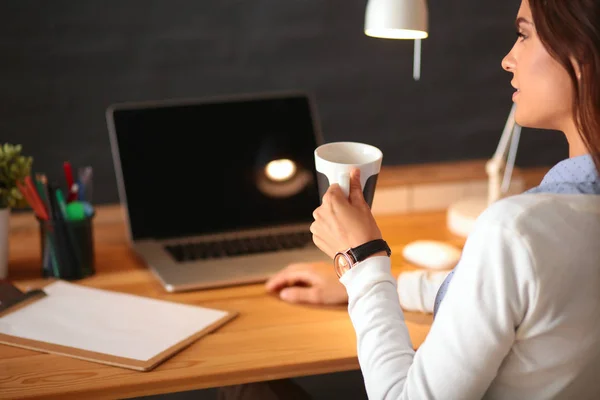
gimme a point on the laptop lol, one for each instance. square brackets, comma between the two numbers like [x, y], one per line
[220, 191]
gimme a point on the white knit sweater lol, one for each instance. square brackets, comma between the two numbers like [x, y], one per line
[521, 319]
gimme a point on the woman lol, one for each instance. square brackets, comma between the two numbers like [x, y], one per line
[521, 315]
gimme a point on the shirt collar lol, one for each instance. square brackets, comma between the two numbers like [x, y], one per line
[580, 169]
[573, 175]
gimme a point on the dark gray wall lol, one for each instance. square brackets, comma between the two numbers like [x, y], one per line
[63, 62]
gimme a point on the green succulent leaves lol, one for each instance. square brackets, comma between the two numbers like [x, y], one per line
[14, 167]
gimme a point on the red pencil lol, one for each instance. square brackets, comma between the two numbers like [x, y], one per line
[24, 189]
[35, 197]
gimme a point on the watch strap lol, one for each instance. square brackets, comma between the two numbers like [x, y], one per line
[366, 250]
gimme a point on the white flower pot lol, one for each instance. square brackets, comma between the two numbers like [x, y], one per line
[4, 214]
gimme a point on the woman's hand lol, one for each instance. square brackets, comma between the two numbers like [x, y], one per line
[311, 283]
[340, 222]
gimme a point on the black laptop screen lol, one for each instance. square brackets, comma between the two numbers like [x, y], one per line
[192, 169]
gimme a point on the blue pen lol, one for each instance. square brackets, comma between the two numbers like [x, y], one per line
[88, 209]
[81, 191]
[85, 183]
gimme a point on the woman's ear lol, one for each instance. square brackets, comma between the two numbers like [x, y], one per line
[577, 67]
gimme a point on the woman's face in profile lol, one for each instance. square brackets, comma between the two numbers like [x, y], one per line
[543, 88]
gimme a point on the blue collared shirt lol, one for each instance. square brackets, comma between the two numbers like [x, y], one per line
[576, 175]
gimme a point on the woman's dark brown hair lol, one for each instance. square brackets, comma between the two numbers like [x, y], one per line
[570, 31]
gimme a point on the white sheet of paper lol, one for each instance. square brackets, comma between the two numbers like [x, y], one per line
[107, 322]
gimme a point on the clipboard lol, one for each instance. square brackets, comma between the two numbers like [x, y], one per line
[102, 326]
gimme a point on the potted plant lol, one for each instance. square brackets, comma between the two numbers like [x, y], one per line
[14, 167]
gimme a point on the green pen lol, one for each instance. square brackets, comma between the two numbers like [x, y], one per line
[62, 205]
[50, 248]
[40, 188]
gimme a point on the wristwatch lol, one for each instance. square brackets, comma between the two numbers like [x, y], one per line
[345, 260]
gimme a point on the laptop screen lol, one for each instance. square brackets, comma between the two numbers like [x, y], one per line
[192, 169]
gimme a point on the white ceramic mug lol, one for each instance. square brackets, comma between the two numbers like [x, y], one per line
[334, 161]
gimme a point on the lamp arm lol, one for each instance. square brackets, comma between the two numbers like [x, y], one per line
[506, 134]
[496, 166]
[512, 156]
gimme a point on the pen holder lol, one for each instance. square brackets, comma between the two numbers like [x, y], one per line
[67, 248]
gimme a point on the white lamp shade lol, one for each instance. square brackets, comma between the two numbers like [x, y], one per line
[397, 19]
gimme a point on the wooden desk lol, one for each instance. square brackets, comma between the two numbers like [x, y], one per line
[270, 339]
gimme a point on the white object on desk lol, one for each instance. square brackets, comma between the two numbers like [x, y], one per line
[431, 254]
[417, 289]
[107, 323]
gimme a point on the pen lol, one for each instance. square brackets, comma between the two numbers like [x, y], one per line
[62, 205]
[41, 191]
[51, 252]
[89, 184]
[46, 259]
[65, 257]
[25, 192]
[50, 242]
[73, 192]
[44, 184]
[30, 198]
[85, 184]
[69, 177]
[35, 202]
[36, 197]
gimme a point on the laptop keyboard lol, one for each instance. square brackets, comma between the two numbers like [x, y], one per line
[191, 251]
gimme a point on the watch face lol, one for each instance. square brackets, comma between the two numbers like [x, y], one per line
[341, 263]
